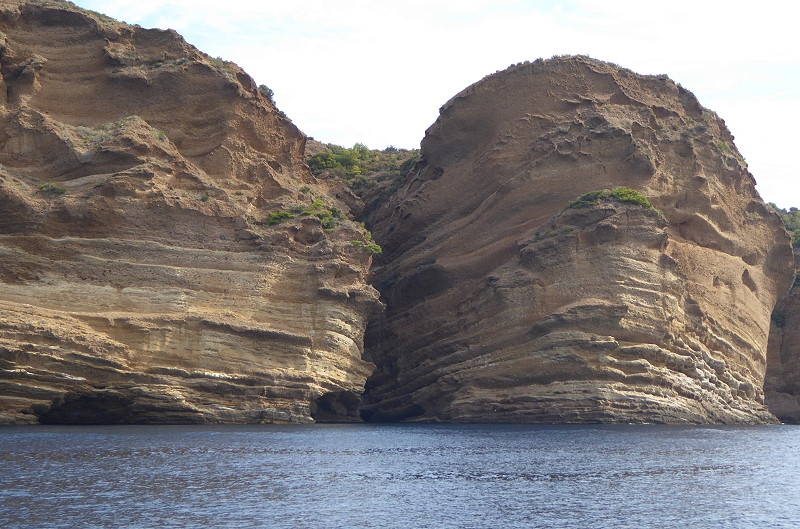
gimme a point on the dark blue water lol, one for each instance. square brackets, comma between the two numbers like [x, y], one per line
[400, 476]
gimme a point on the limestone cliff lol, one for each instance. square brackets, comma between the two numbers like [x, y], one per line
[506, 304]
[782, 384]
[166, 254]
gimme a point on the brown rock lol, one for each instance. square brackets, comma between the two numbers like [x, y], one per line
[144, 277]
[782, 385]
[168, 258]
[506, 305]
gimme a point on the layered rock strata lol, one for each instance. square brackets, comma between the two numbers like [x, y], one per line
[505, 304]
[166, 255]
[782, 384]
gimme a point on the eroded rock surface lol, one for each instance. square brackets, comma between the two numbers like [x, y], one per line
[167, 257]
[782, 384]
[506, 305]
[145, 277]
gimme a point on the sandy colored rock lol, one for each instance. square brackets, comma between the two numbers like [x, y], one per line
[167, 257]
[143, 277]
[506, 305]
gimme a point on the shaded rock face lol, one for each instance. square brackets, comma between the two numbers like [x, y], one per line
[782, 384]
[506, 305]
[142, 279]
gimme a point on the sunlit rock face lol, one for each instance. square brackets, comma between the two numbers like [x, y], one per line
[166, 256]
[505, 304]
[143, 277]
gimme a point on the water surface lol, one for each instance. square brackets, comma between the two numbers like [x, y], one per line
[400, 476]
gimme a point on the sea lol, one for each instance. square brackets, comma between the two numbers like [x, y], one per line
[400, 476]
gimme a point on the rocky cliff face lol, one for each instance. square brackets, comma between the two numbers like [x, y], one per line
[782, 384]
[506, 304]
[151, 267]
[578, 243]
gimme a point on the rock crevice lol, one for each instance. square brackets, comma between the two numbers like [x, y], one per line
[576, 243]
[529, 310]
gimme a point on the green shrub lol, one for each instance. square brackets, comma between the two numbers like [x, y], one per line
[277, 216]
[93, 136]
[267, 91]
[791, 219]
[586, 200]
[51, 189]
[368, 247]
[324, 160]
[218, 62]
[373, 248]
[362, 167]
[327, 216]
[551, 234]
[362, 182]
[751, 215]
[631, 196]
[226, 67]
[626, 195]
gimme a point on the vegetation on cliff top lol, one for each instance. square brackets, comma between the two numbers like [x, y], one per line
[791, 219]
[359, 164]
[363, 168]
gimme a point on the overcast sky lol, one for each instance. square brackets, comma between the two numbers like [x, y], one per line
[376, 72]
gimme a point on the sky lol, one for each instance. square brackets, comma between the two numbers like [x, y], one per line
[376, 72]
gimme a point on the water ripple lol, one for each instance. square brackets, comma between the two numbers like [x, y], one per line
[399, 476]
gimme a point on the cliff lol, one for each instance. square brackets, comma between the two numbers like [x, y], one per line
[166, 254]
[520, 287]
[576, 243]
[782, 384]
